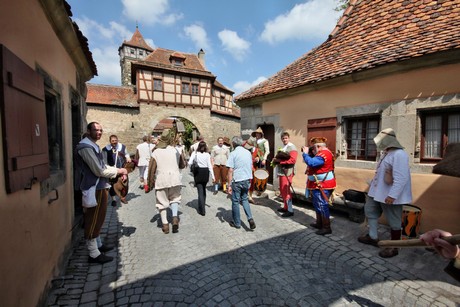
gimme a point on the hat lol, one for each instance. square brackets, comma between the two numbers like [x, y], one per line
[318, 139]
[227, 141]
[259, 130]
[165, 139]
[386, 139]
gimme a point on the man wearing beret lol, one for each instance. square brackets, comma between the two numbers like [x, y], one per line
[320, 181]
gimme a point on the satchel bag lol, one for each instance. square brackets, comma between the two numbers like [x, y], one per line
[194, 166]
[354, 196]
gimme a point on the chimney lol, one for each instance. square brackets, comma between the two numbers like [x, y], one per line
[201, 57]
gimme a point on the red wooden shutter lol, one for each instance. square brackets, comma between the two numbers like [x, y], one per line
[25, 136]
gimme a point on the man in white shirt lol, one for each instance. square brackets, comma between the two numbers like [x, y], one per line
[143, 155]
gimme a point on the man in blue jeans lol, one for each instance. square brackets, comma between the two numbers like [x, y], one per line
[239, 178]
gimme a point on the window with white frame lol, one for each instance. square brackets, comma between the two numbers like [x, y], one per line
[360, 133]
[439, 129]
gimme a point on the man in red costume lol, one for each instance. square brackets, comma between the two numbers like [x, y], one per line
[285, 161]
[320, 182]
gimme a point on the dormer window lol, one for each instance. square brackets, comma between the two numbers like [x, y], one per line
[141, 52]
[177, 59]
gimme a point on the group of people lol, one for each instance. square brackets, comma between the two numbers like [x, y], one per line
[232, 168]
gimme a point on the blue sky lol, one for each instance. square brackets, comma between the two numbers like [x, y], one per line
[245, 41]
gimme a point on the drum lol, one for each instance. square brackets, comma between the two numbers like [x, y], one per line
[260, 179]
[411, 218]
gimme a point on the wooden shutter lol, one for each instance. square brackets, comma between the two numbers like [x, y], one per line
[323, 127]
[25, 137]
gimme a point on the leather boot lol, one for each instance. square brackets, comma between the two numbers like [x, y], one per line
[175, 224]
[165, 228]
[391, 252]
[318, 224]
[326, 229]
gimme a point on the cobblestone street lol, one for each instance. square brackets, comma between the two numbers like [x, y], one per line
[281, 263]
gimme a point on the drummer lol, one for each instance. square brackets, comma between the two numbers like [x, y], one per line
[285, 161]
[260, 152]
[115, 154]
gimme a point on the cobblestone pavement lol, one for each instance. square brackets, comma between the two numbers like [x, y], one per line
[281, 263]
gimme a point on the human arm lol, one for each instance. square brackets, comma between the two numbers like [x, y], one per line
[400, 171]
[266, 152]
[292, 158]
[127, 156]
[315, 161]
[211, 170]
[192, 157]
[89, 157]
[229, 180]
[445, 249]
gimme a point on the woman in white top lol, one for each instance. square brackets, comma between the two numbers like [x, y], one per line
[201, 176]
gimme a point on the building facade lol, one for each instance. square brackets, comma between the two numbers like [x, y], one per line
[386, 64]
[45, 62]
[158, 84]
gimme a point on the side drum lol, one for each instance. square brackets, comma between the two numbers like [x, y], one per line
[411, 218]
[260, 179]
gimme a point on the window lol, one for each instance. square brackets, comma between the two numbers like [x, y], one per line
[177, 62]
[190, 88]
[157, 85]
[360, 134]
[132, 50]
[195, 89]
[141, 52]
[439, 129]
[222, 101]
[53, 121]
[185, 88]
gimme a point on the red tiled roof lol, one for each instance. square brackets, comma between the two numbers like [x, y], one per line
[160, 58]
[370, 34]
[137, 40]
[111, 95]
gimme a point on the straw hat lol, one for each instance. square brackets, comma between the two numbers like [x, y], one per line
[386, 139]
[165, 139]
[259, 130]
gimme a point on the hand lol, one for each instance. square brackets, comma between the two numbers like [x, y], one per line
[229, 190]
[257, 159]
[122, 171]
[128, 160]
[263, 162]
[389, 200]
[444, 248]
[305, 149]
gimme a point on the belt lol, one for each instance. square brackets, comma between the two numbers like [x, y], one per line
[322, 177]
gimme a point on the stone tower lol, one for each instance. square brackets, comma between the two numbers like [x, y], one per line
[133, 50]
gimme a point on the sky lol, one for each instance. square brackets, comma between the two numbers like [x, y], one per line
[245, 41]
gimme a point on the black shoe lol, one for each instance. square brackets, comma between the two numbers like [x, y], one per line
[232, 224]
[282, 210]
[324, 231]
[252, 224]
[287, 214]
[105, 248]
[101, 259]
[114, 203]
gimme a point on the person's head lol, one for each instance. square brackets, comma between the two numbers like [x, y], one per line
[237, 141]
[285, 138]
[386, 139]
[220, 141]
[94, 130]
[145, 138]
[153, 139]
[113, 139]
[258, 134]
[166, 139]
[318, 144]
[202, 147]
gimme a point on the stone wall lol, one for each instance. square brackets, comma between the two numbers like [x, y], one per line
[120, 121]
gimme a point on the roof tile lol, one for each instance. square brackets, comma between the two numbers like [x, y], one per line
[374, 33]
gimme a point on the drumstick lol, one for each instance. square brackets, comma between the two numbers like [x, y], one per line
[455, 239]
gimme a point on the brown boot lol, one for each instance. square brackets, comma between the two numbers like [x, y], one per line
[175, 224]
[326, 229]
[391, 252]
[165, 228]
[318, 224]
